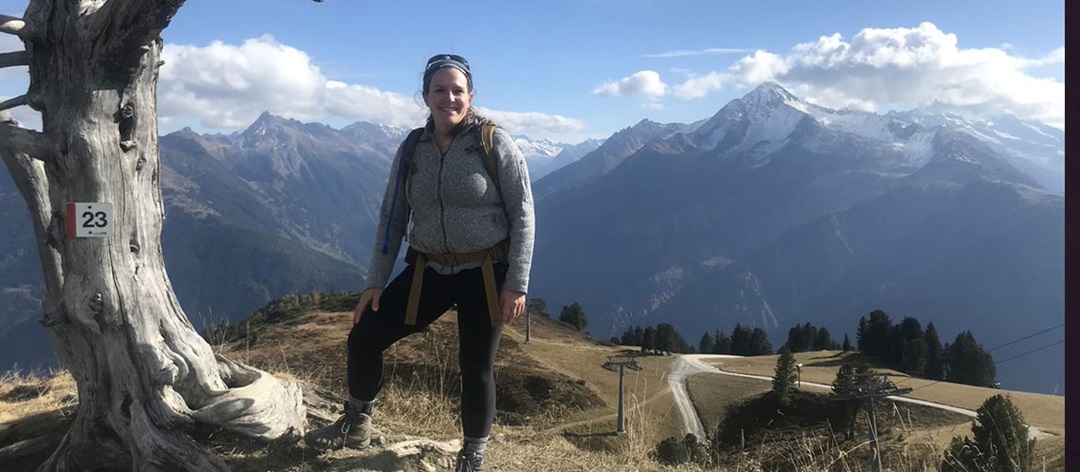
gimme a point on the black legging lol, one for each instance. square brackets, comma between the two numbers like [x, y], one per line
[478, 342]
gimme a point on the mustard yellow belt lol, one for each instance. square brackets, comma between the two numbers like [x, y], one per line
[487, 259]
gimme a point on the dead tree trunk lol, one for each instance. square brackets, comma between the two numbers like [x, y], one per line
[145, 376]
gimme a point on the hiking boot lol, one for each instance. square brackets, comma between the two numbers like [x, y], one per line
[469, 462]
[352, 430]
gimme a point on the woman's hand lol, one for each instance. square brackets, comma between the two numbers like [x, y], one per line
[369, 297]
[512, 305]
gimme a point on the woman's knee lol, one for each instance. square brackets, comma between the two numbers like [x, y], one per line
[476, 372]
[362, 340]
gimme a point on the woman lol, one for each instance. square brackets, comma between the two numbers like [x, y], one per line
[471, 237]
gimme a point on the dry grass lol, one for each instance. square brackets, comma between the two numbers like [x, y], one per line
[712, 394]
[24, 395]
[310, 348]
[1046, 412]
[35, 413]
[583, 361]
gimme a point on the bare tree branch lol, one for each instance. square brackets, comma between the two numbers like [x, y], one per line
[33, 183]
[22, 140]
[16, 58]
[12, 25]
[13, 102]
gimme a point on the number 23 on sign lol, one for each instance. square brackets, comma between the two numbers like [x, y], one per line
[89, 220]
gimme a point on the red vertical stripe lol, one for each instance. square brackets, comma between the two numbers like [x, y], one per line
[70, 223]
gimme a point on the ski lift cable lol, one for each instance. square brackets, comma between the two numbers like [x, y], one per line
[1010, 343]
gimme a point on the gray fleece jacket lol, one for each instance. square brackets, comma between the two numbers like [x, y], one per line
[455, 206]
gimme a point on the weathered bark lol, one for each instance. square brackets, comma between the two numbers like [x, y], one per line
[144, 375]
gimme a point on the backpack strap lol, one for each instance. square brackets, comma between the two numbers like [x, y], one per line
[491, 162]
[404, 169]
[409, 148]
[487, 145]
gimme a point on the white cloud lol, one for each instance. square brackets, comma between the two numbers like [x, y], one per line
[760, 67]
[1056, 56]
[358, 102]
[645, 83]
[226, 87]
[699, 86]
[534, 124]
[901, 67]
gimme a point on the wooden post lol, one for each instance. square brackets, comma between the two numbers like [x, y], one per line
[621, 362]
[621, 428]
[874, 437]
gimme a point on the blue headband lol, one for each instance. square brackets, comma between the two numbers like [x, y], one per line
[447, 60]
[444, 63]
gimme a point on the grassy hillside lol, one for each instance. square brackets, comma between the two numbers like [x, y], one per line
[556, 407]
[910, 432]
[1047, 412]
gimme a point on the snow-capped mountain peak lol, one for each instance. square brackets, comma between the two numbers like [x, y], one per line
[769, 95]
[542, 149]
[761, 120]
[769, 117]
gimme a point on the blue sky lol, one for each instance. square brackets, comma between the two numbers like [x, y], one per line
[573, 69]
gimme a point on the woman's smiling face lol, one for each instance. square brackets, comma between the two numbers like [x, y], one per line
[448, 98]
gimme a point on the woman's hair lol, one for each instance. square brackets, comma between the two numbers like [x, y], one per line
[442, 61]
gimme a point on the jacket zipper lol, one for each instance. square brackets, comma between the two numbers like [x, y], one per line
[442, 206]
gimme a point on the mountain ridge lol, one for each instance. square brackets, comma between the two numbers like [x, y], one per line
[700, 205]
[759, 170]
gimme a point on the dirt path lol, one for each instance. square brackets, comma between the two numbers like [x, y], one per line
[682, 369]
[696, 364]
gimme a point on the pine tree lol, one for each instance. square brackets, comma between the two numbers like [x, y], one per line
[723, 343]
[860, 335]
[706, 344]
[680, 345]
[913, 353]
[759, 343]
[969, 363]
[877, 337]
[801, 337]
[823, 340]
[574, 315]
[538, 306]
[845, 386]
[665, 337]
[784, 378]
[794, 339]
[648, 339]
[1001, 441]
[935, 358]
[847, 343]
[809, 334]
[740, 340]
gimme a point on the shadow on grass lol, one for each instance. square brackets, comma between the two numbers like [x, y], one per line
[26, 443]
[843, 358]
[608, 441]
[384, 460]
